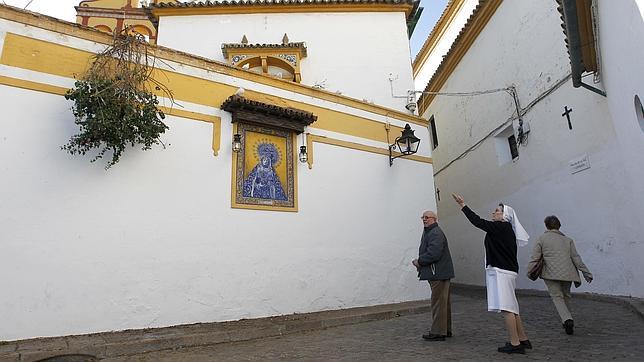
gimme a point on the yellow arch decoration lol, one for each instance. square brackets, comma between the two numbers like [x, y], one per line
[268, 60]
[141, 29]
[104, 28]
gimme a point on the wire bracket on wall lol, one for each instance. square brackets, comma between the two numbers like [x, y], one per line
[522, 129]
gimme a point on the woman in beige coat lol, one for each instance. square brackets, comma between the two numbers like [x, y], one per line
[561, 266]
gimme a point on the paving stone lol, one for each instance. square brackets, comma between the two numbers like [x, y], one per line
[606, 328]
[603, 331]
[7, 347]
[38, 344]
[10, 357]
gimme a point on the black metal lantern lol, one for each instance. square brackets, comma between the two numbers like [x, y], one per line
[407, 144]
[237, 143]
[303, 155]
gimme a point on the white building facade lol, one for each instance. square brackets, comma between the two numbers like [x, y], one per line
[154, 241]
[587, 171]
[353, 49]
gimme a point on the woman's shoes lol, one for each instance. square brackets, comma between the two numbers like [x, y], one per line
[509, 348]
[526, 344]
[433, 337]
[569, 326]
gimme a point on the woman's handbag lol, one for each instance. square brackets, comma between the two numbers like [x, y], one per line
[535, 272]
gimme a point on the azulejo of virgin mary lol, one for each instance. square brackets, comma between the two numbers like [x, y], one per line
[263, 182]
[264, 169]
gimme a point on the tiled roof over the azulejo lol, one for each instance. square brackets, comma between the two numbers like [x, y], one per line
[237, 101]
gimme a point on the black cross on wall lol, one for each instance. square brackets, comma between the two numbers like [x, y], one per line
[566, 113]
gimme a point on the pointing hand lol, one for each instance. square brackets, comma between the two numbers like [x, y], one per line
[459, 199]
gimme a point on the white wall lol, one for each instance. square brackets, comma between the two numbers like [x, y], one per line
[621, 35]
[351, 53]
[523, 45]
[154, 242]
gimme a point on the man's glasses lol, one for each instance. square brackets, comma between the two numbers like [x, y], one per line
[427, 217]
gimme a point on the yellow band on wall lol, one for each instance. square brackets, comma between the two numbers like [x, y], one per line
[310, 138]
[46, 57]
[216, 123]
[166, 54]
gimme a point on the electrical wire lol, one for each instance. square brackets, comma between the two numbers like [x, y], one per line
[465, 94]
[521, 112]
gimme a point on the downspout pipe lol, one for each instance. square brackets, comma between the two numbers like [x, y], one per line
[574, 46]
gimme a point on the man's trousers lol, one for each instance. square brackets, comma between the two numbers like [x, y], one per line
[441, 307]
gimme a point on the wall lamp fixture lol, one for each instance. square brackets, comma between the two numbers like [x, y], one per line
[303, 155]
[407, 144]
[237, 146]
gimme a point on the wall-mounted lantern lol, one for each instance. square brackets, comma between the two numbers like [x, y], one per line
[407, 144]
[303, 155]
[237, 143]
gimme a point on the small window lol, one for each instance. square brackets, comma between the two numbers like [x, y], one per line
[432, 128]
[507, 149]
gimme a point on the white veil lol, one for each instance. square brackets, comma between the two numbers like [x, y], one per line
[510, 216]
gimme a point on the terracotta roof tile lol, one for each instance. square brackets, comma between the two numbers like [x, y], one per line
[225, 3]
[298, 118]
[261, 3]
[295, 45]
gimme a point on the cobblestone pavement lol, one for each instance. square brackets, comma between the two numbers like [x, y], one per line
[603, 331]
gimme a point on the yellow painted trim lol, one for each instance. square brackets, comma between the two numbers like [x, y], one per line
[190, 115]
[471, 31]
[309, 150]
[41, 56]
[233, 185]
[25, 84]
[216, 123]
[331, 120]
[86, 33]
[272, 9]
[46, 88]
[437, 33]
[359, 147]
[216, 137]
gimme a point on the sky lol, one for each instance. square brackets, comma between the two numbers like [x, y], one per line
[64, 9]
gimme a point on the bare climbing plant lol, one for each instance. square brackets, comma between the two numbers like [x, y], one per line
[115, 102]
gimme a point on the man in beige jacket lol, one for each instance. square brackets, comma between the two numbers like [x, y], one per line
[561, 266]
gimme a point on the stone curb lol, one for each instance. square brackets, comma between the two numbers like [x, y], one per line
[636, 305]
[132, 342]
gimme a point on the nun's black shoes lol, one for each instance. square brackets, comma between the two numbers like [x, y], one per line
[509, 348]
[569, 326]
[433, 337]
